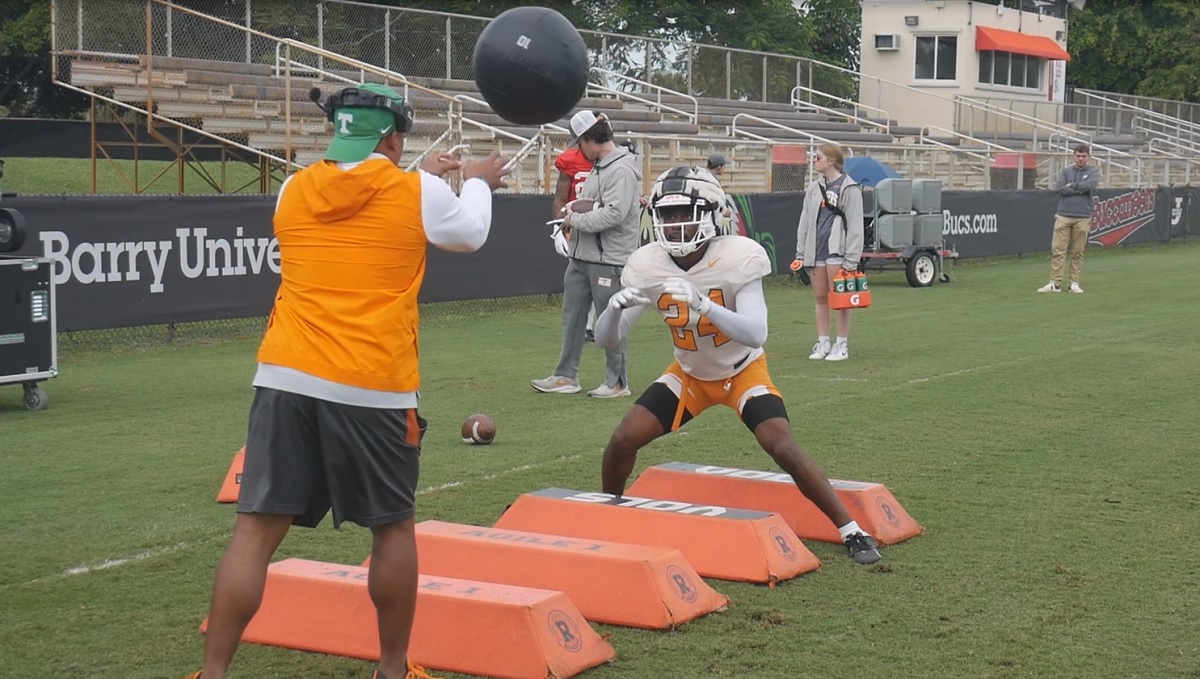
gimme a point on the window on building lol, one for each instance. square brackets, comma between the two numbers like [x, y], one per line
[1017, 74]
[1033, 72]
[937, 57]
[1011, 70]
[1003, 67]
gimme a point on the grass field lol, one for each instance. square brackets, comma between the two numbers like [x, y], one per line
[1046, 442]
[30, 176]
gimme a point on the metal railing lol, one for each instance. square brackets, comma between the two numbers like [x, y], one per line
[528, 144]
[1142, 122]
[415, 44]
[437, 45]
[656, 103]
[1046, 111]
[1057, 133]
[735, 131]
[989, 146]
[285, 67]
[801, 105]
[258, 153]
[1182, 110]
[169, 28]
[873, 91]
[432, 44]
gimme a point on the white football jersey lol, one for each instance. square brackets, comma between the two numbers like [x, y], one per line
[730, 262]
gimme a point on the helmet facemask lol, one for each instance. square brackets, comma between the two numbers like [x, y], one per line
[684, 206]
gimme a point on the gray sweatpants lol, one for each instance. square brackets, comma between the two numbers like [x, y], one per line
[587, 287]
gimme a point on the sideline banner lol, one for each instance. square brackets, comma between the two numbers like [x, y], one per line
[140, 260]
[982, 223]
[143, 260]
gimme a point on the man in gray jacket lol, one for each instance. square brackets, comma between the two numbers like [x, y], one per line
[1073, 219]
[602, 238]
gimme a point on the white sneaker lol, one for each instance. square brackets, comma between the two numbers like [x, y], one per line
[839, 352]
[1052, 286]
[1075, 287]
[605, 391]
[820, 350]
[556, 384]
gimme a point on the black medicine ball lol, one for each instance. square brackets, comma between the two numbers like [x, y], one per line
[531, 65]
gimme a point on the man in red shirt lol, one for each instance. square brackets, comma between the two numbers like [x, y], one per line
[572, 168]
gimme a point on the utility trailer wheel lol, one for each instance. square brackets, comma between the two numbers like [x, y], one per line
[35, 397]
[920, 270]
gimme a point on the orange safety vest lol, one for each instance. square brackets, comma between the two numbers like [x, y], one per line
[352, 257]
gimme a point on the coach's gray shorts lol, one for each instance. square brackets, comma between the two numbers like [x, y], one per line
[305, 456]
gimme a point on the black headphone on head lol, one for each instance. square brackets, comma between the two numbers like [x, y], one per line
[353, 97]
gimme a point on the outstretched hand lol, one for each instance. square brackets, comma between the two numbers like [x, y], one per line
[438, 165]
[681, 290]
[490, 169]
[628, 297]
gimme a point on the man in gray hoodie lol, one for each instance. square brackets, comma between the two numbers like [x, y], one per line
[1072, 220]
[602, 238]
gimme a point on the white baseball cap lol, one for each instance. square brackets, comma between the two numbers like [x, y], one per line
[582, 122]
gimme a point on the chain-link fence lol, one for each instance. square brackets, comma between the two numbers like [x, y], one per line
[242, 72]
[199, 332]
[427, 44]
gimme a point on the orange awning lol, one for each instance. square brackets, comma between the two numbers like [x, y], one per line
[1000, 40]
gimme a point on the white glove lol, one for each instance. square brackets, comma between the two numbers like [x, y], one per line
[556, 234]
[626, 298]
[681, 290]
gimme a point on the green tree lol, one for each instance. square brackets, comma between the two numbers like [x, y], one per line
[26, 87]
[766, 25]
[1150, 48]
[836, 27]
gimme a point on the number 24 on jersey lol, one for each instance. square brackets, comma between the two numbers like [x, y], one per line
[678, 316]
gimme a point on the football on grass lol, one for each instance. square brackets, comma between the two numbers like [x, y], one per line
[478, 429]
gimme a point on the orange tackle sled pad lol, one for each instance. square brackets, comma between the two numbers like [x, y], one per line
[870, 504]
[720, 542]
[460, 626]
[609, 582]
[233, 478]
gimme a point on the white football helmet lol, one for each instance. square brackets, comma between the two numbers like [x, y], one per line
[692, 188]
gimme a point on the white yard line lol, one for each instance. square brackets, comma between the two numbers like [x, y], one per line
[489, 477]
[84, 569]
[443, 486]
[943, 376]
[896, 386]
[111, 563]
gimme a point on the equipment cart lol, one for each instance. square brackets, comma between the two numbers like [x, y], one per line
[28, 329]
[902, 221]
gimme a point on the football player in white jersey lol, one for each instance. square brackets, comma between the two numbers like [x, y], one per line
[708, 289]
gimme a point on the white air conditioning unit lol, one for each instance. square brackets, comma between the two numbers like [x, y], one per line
[887, 42]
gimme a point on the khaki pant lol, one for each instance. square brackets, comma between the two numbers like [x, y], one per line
[1070, 233]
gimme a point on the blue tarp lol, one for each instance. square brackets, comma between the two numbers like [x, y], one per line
[868, 171]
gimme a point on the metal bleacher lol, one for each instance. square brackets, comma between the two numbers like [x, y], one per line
[261, 104]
